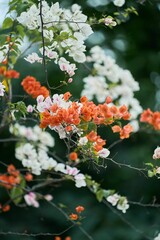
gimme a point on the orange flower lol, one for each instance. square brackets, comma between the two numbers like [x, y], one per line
[28, 177]
[57, 238]
[73, 156]
[79, 209]
[146, 116]
[83, 99]
[11, 179]
[68, 128]
[73, 216]
[108, 99]
[12, 170]
[6, 208]
[124, 132]
[11, 74]
[2, 70]
[68, 238]
[116, 128]
[92, 136]
[153, 118]
[33, 87]
[66, 96]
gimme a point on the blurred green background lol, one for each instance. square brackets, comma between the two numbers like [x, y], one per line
[136, 46]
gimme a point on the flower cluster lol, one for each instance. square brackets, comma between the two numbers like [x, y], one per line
[76, 216]
[156, 154]
[68, 27]
[40, 138]
[33, 87]
[91, 146]
[152, 118]
[11, 73]
[34, 155]
[58, 113]
[37, 160]
[119, 201]
[11, 178]
[109, 79]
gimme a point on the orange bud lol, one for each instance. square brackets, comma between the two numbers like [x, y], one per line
[28, 177]
[108, 100]
[79, 209]
[68, 238]
[83, 99]
[68, 128]
[57, 238]
[73, 216]
[66, 96]
[73, 156]
[6, 208]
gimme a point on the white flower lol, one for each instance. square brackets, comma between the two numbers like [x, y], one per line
[158, 237]
[30, 108]
[46, 139]
[2, 56]
[113, 199]
[30, 199]
[80, 180]
[2, 89]
[66, 66]
[104, 153]
[119, 3]
[83, 141]
[26, 151]
[156, 154]
[33, 57]
[108, 21]
[71, 171]
[60, 167]
[48, 197]
[158, 170]
[48, 34]
[123, 204]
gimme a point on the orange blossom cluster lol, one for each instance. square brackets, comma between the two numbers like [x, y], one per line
[33, 87]
[101, 114]
[153, 118]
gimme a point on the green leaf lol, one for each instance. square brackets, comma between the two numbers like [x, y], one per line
[150, 173]
[17, 192]
[92, 127]
[20, 30]
[107, 193]
[99, 195]
[149, 164]
[7, 23]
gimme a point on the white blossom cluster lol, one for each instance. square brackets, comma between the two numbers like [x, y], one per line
[109, 79]
[119, 201]
[41, 138]
[37, 160]
[63, 30]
